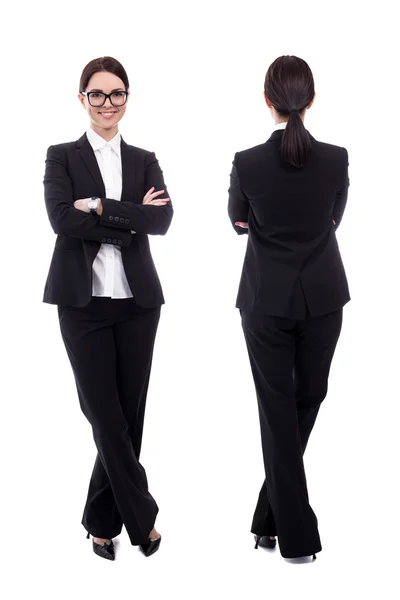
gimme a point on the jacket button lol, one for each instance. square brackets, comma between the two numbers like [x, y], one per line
[126, 221]
[114, 241]
[108, 240]
[116, 219]
[120, 242]
[103, 240]
[110, 218]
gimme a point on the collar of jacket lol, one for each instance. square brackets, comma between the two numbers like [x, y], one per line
[278, 133]
[84, 140]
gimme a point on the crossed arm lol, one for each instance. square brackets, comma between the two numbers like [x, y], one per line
[341, 193]
[238, 204]
[66, 219]
[152, 217]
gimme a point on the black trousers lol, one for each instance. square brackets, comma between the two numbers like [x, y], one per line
[290, 362]
[110, 346]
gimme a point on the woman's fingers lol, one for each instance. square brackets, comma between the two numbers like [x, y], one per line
[242, 224]
[160, 202]
[150, 196]
[153, 196]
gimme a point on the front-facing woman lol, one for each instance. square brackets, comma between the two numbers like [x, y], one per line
[103, 198]
[289, 195]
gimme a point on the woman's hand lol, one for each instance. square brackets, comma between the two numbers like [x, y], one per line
[83, 205]
[150, 198]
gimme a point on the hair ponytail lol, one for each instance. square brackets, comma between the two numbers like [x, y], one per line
[289, 86]
[296, 142]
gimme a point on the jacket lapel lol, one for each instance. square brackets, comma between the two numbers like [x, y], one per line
[86, 153]
[128, 171]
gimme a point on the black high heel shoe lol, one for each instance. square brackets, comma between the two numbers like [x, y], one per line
[151, 546]
[105, 550]
[264, 541]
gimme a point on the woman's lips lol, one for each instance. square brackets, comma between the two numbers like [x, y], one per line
[108, 115]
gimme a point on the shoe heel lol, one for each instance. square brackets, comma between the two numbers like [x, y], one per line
[314, 557]
[257, 538]
[88, 536]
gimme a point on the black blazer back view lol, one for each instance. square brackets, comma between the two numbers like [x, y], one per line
[72, 173]
[292, 256]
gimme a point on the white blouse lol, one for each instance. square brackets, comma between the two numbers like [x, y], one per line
[109, 278]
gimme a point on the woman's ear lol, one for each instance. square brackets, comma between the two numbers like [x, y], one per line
[82, 100]
[312, 101]
[267, 101]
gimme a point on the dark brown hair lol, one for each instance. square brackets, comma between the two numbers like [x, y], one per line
[104, 63]
[289, 86]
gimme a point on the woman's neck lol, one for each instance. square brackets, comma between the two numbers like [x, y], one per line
[106, 134]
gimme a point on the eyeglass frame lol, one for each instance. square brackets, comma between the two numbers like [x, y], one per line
[106, 96]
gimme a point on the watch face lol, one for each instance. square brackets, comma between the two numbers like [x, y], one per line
[92, 204]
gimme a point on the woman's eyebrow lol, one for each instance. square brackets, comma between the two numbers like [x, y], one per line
[115, 90]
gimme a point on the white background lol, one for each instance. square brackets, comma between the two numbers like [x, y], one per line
[196, 72]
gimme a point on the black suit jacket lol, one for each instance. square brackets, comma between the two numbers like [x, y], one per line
[71, 173]
[292, 246]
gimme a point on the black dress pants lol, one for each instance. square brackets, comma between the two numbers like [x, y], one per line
[110, 346]
[290, 361]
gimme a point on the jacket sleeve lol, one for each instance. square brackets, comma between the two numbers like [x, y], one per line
[341, 192]
[64, 218]
[141, 218]
[238, 204]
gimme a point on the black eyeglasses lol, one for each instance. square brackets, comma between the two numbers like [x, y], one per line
[99, 98]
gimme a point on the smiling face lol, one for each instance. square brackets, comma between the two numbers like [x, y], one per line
[104, 119]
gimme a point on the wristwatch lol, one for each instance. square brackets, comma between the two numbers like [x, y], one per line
[93, 204]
